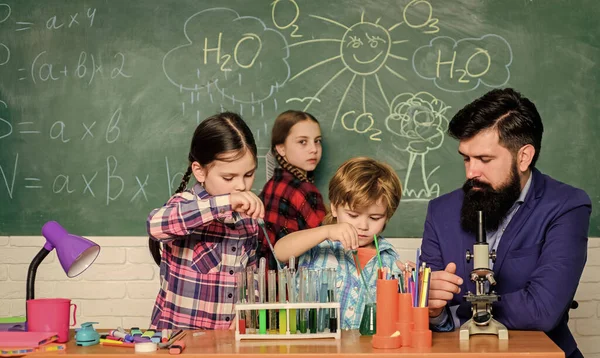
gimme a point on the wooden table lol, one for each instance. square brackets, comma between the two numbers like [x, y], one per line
[223, 345]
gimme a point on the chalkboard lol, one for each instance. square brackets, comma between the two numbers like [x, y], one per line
[99, 98]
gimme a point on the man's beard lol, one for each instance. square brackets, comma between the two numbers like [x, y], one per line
[495, 204]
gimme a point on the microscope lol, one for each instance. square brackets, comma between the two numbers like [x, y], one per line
[482, 321]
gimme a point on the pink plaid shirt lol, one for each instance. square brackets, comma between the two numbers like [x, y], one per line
[204, 244]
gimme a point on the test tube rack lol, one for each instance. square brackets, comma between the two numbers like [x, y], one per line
[286, 306]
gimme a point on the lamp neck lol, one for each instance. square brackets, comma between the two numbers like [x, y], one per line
[33, 266]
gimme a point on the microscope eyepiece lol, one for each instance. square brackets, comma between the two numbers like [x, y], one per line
[480, 237]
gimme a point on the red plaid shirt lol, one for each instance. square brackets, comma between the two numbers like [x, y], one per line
[204, 244]
[290, 205]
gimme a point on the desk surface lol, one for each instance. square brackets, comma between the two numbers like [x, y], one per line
[222, 344]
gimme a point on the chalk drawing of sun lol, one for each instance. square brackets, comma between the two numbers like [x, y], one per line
[365, 50]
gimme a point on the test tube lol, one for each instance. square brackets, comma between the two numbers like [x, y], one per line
[240, 279]
[313, 276]
[251, 294]
[262, 313]
[333, 323]
[282, 293]
[323, 297]
[302, 297]
[272, 299]
[292, 293]
[291, 286]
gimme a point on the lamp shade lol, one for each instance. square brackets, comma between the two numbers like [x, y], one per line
[75, 253]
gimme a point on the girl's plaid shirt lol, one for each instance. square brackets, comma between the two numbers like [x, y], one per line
[204, 244]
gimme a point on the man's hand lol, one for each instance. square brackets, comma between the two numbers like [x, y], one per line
[443, 286]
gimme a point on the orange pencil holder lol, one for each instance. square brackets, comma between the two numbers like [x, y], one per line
[421, 334]
[405, 322]
[387, 314]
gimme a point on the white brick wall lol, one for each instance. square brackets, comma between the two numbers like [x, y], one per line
[120, 287]
[117, 290]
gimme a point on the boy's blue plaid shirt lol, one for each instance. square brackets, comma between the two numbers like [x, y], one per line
[350, 290]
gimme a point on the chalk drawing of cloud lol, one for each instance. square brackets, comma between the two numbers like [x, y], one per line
[238, 56]
[461, 66]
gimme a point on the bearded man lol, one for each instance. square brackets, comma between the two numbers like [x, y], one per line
[537, 226]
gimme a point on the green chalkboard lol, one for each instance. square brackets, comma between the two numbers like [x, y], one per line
[99, 98]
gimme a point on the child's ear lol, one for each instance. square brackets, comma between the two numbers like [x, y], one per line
[280, 148]
[333, 210]
[199, 172]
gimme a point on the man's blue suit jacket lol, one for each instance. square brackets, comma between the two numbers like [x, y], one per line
[539, 261]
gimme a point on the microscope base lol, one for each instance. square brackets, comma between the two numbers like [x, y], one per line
[469, 328]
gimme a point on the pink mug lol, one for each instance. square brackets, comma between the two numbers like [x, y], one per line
[51, 315]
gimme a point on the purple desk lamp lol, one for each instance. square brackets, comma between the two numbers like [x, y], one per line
[75, 253]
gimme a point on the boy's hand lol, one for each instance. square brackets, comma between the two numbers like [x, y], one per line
[403, 265]
[248, 203]
[345, 233]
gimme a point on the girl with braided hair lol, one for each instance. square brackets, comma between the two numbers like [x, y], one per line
[292, 201]
[208, 232]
